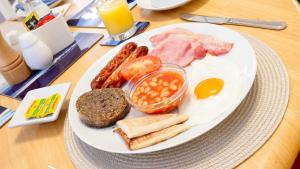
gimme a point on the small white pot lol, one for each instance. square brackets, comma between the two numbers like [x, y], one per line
[36, 53]
[55, 34]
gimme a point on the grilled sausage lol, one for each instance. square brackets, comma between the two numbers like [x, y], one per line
[112, 65]
[116, 80]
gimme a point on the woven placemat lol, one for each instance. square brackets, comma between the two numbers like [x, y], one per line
[226, 145]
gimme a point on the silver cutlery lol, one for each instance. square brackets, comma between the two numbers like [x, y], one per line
[274, 25]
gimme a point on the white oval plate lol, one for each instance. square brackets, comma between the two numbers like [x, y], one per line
[242, 54]
[160, 5]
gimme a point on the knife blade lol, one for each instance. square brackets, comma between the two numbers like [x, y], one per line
[274, 25]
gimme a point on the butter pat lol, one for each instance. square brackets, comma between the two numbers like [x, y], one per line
[43, 107]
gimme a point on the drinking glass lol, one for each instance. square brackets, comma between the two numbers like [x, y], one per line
[117, 18]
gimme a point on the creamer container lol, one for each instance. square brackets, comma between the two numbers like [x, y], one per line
[36, 53]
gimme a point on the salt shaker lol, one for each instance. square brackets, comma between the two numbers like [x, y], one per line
[36, 53]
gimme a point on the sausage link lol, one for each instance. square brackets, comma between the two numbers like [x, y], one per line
[112, 65]
[116, 80]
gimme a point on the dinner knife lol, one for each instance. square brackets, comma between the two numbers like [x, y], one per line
[275, 25]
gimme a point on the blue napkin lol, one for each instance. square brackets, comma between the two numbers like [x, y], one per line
[5, 115]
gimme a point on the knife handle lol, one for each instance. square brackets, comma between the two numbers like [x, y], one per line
[258, 24]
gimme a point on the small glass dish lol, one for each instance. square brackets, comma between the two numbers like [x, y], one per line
[165, 105]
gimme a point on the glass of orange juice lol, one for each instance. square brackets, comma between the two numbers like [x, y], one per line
[117, 18]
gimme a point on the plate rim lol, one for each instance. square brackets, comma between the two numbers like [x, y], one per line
[215, 122]
[163, 8]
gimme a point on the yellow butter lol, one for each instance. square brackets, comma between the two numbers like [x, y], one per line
[43, 107]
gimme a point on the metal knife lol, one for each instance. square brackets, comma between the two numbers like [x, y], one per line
[275, 25]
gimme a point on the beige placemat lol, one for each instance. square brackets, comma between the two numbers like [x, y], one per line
[226, 145]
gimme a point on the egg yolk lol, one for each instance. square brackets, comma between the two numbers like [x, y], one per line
[208, 87]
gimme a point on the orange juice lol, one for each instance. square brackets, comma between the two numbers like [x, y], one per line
[116, 16]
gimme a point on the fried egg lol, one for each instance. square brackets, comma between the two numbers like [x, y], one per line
[214, 85]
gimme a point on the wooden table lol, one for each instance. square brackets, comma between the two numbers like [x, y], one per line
[40, 146]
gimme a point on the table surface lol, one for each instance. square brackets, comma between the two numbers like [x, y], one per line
[42, 146]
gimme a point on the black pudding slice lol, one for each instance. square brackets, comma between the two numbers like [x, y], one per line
[102, 107]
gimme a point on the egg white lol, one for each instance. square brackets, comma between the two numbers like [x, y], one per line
[205, 110]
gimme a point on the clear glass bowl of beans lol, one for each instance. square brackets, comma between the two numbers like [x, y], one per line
[160, 91]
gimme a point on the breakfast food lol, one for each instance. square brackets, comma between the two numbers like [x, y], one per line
[180, 46]
[139, 126]
[116, 80]
[153, 138]
[157, 88]
[143, 132]
[141, 66]
[177, 51]
[208, 87]
[113, 65]
[156, 39]
[157, 84]
[43, 107]
[212, 91]
[158, 92]
[102, 107]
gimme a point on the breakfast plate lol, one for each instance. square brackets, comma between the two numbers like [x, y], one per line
[241, 57]
[159, 5]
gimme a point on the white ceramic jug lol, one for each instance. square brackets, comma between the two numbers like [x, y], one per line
[36, 53]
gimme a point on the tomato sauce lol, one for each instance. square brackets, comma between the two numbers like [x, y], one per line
[157, 88]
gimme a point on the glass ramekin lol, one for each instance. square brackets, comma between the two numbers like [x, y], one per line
[163, 106]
